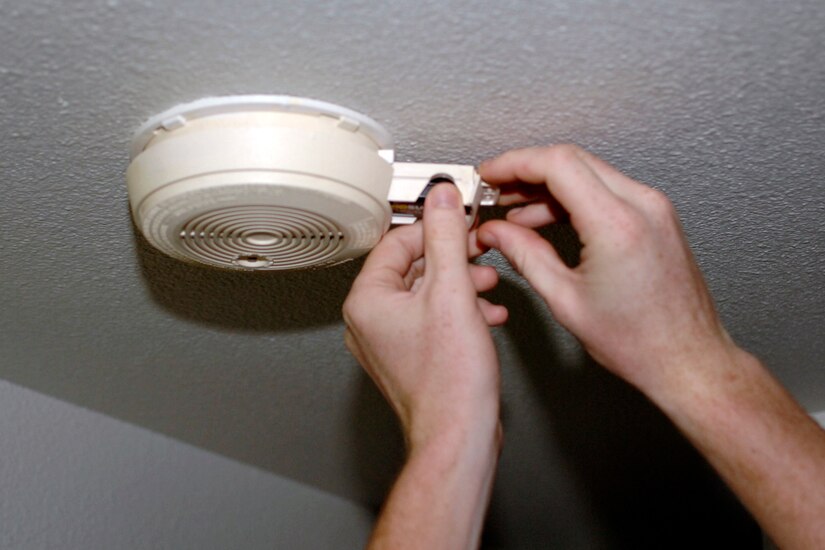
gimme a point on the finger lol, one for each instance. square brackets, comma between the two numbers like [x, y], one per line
[393, 256]
[531, 255]
[445, 232]
[492, 173]
[516, 193]
[415, 272]
[536, 215]
[494, 314]
[500, 170]
[568, 177]
[484, 277]
[474, 247]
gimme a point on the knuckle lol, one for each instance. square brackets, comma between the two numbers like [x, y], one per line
[393, 237]
[563, 153]
[658, 203]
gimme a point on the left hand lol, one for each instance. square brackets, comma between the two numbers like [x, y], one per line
[416, 324]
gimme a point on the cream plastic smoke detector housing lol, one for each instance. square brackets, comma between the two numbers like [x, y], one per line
[275, 182]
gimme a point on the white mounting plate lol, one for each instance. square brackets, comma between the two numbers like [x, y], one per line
[210, 106]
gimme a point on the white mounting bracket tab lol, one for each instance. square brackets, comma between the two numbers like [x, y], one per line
[411, 182]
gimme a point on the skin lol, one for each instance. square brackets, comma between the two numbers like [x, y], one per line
[637, 302]
[422, 334]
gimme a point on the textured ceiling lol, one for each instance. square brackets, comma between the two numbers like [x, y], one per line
[720, 104]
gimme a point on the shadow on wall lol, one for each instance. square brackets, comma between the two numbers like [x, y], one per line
[643, 482]
[379, 447]
[640, 478]
[257, 301]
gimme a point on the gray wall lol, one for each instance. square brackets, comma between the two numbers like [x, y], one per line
[74, 479]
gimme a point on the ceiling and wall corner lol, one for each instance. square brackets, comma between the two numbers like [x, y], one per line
[719, 104]
[73, 478]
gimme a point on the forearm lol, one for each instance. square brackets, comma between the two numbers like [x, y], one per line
[762, 443]
[440, 498]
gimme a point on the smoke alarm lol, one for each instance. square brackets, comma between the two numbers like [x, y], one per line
[276, 182]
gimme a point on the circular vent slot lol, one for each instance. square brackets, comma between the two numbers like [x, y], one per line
[261, 237]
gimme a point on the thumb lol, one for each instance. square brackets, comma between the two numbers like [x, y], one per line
[531, 255]
[445, 231]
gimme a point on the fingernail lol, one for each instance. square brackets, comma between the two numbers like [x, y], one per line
[514, 211]
[444, 196]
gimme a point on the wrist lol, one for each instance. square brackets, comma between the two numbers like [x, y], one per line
[456, 434]
[441, 494]
[713, 374]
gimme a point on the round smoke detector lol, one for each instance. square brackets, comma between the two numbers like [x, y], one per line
[261, 182]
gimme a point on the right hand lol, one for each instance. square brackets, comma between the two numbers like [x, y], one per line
[417, 326]
[637, 301]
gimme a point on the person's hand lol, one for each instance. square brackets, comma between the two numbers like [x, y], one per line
[637, 300]
[416, 324]
[638, 303]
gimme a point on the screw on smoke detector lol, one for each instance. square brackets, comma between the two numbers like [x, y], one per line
[435, 180]
[252, 260]
[441, 178]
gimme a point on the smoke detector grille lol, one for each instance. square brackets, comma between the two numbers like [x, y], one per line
[261, 237]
